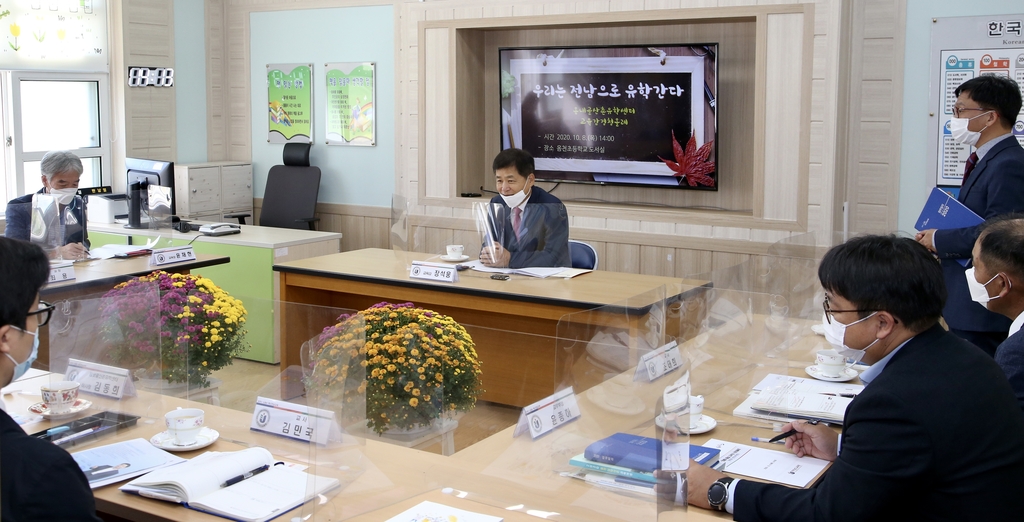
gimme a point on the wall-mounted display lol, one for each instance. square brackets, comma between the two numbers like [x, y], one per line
[351, 119]
[150, 77]
[65, 36]
[290, 103]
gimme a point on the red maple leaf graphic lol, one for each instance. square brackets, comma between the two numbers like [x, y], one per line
[692, 163]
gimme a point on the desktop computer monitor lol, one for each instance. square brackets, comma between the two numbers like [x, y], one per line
[142, 173]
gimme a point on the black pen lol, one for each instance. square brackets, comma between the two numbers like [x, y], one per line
[790, 433]
[235, 480]
[847, 395]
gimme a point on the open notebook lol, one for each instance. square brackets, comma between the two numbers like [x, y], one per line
[197, 484]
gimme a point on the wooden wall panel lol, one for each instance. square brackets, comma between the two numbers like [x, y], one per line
[437, 95]
[147, 31]
[783, 183]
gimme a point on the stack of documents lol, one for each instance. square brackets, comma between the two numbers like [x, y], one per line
[536, 271]
[782, 398]
[765, 464]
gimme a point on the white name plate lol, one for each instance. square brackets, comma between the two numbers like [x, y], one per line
[434, 272]
[294, 421]
[171, 255]
[656, 363]
[548, 414]
[100, 379]
[61, 273]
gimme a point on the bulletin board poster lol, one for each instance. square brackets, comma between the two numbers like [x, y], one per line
[351, 118]
[290, 103]
[961, 49]
[65, 36]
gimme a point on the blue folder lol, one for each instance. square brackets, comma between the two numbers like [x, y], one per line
[944, 212]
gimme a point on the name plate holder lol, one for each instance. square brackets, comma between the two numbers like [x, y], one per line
[61, 272]
[548, 414]
[444, 273]
[659, 362]
[171, 255]
[100, 379]
[295, 421]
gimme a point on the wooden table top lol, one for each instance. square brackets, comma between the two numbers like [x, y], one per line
[251, 235]
[99, 273]
[591, 290]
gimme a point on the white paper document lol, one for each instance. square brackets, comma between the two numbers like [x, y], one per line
[533, 271]
[766, 464]
[428, 511]
[804, 385]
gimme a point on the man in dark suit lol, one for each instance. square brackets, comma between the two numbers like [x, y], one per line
[61, 171]
[985, 111]
[38, 480]
[910, 448]
[997, 282]
[526, 225]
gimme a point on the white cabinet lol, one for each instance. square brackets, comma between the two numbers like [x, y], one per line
[207, 191]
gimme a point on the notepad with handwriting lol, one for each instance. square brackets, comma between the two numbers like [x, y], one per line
[197, 484]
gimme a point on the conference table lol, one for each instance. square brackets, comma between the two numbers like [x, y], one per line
[514, 323]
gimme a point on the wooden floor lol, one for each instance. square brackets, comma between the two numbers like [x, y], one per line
[244, 379]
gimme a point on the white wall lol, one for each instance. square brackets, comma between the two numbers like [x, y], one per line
[190, 80]
[351, 175]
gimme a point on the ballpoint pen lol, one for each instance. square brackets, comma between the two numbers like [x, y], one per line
[847, 395]
[235, 480]
[790, 433]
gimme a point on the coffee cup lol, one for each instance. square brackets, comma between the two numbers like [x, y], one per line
[60, 396]
[454, 251]
[831, 363]
[696, 409]
[184, 424]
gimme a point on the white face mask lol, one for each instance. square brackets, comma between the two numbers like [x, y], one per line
[64, 196]
[958, 129]
[515, 199]
[979, 294]
[835, 334]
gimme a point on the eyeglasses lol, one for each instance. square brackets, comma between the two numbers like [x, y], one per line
[958, 110]
[829, 311]
[45, 311]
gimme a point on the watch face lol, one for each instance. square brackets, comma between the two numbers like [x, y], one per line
[717, 493]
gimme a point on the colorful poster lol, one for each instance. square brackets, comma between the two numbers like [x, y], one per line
[66, 36]
[350, 99]
[290, 103]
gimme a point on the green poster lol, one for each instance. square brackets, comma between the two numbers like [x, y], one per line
[290, 103]
[350, 96]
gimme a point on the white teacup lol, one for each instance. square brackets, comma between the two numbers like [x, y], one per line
[454, 251]
[831, 363]
[60, 396]
[696, 409]
[184, 424]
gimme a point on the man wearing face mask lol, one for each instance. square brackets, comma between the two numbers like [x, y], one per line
[996, 281]
[528, 227]
[985, 111]
[33, 470]
[909, 450]
[61, 171]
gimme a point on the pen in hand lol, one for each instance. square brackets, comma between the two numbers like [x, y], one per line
[790, 433]
[235, 480]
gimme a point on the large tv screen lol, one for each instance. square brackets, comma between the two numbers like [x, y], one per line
[632, 115]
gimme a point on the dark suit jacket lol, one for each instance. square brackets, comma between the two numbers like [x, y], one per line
[937, 435]
[545, 231]
[1010, 357]
[19, 221]
[995, 187]
[39, 481]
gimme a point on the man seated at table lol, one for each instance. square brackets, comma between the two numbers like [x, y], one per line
[935, 435]
[997, 282]
[527, 226]
[61, 171]
[38, 480]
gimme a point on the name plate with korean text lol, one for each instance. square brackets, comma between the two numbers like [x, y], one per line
[656, 363]
[171, 255]
[62, 272]
[444, 273]
[548, 414]
[100, 379]
[294, 421]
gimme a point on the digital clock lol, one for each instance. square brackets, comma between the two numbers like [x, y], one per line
[150, 77]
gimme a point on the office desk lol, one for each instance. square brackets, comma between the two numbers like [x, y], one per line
[249, 277]
[513, 323]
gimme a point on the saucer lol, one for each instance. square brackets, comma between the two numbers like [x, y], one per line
[79, 406]
[815, 372]
[704, 424]
[454, 259]
[165, 441]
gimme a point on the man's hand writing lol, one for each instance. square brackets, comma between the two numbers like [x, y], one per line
[815, 440]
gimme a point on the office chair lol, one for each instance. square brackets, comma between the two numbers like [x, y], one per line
[583, 255]
[289, 200]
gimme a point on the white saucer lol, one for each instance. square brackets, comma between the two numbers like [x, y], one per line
[165, 441]
[454, 259]
[815, 372]
[79, 406]
[703, 425]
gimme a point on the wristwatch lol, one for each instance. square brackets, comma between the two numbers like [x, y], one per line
[718, 493]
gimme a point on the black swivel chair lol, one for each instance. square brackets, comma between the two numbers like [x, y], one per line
[289, 200]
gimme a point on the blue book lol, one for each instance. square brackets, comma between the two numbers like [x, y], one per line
[634, 452]
[942, 211]
[700, 454]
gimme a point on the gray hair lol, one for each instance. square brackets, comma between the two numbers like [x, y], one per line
[58, 162]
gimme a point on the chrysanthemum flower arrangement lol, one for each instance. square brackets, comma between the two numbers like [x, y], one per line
[201, 327]
[415, 365]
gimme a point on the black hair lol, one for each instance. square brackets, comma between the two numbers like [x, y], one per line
[23, 271]
[890, 273]
[994, 92]
[518, 158]
[1002, 244]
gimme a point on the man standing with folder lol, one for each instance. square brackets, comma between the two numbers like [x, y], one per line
[985, 111]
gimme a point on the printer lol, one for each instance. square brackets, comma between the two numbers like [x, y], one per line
[104, 207]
